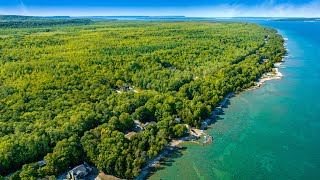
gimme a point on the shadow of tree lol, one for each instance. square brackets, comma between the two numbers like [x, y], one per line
[168, 160]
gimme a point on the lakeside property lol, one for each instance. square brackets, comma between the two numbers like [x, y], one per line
[269, 133]
[196, 134]
[68, 88]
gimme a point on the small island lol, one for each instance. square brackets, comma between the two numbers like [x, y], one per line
[112, 96]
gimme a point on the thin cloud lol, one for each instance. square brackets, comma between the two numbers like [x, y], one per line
[22, 8]
[267, 9]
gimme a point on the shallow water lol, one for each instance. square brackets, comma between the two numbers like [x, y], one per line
[269, 133]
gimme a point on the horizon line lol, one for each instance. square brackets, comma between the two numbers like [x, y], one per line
[181, 16]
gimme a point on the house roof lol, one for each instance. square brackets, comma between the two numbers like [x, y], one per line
[79, 170]
[42, 163]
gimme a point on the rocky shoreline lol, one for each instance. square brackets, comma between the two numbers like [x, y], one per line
[273, 75]
[196, 134]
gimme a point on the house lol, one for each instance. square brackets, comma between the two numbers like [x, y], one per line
[178, 120]
[79, 172]
[263, 61]
[118, 91]
[172, 68]
[42, 163]
[149, 123]
[137, 126]
[130, 135]
[126, 87]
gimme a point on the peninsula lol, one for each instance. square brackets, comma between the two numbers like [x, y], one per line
[115, 94]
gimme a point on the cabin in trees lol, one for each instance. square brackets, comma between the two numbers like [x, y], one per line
[42, 163]
[263, 61]
[149, 123]
[79, 172]
[125, 88]
[137, 126]
[178, 120]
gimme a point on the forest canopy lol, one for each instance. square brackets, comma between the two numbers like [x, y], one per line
[71, 93]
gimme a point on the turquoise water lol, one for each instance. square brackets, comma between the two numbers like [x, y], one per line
[269, 133]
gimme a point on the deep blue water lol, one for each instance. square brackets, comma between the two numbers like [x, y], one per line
[269, 133]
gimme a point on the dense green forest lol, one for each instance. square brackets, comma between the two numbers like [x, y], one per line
[70, 93]
[12, 21]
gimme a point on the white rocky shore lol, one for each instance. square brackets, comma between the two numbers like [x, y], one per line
[195, 134]
[274, 74]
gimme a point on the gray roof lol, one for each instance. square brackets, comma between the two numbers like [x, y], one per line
[42, 163]
[79, 171]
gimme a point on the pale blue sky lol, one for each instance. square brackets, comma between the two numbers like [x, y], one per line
[195, 8]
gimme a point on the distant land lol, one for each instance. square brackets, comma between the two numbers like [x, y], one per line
[167, 18]
[298, 19]
[18, 17]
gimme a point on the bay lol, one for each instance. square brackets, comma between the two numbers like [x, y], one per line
[269, 133]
